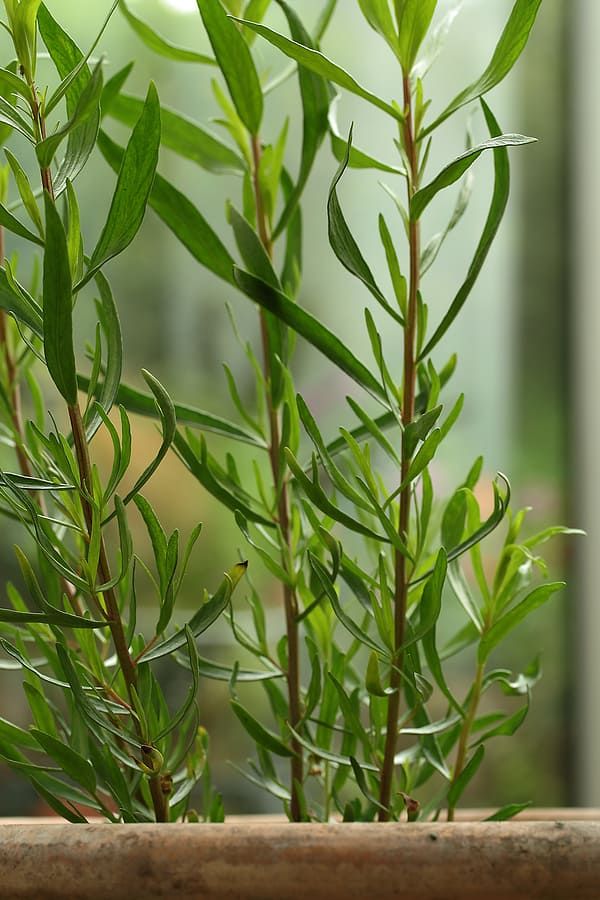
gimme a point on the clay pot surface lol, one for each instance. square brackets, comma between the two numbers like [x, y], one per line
[270, 860]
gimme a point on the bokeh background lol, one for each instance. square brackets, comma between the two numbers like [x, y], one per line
[513, 339]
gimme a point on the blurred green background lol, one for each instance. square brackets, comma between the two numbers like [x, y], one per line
[510, 339]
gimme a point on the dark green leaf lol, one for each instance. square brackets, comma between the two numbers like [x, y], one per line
[235, 61]
[12, 224]
[309, 328]
[58, 306]
[72, 764]
[134, 182]
[181, 216]
[111, 326]
[259, 733]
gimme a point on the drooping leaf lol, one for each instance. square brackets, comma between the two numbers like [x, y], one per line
[342, 241]
[495, 214]
[316, 62]
[507, 51]
[309, 328]
[456, 169]
[181, 135]
[159, 45]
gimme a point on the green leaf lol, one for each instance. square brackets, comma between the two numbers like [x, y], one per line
[262, 736]
[203, 619]
[315, 98]
[181, 216]
[68, 60]
[58, 305]
[507, 51]
[15, 300]
[506, 623]
[321, 753]
[111, 326]
[168, 421]
[315, 62]
[181, 135]
[507, 727]
[378, 15]
[29, 483]
[69, 813]
[251, 248]
[145, 405]
[161, 46]
[456, 169]
[72, 764]
[459, 784]
[157, 536]
[25, 191]
[12, 224]
[348, 623]
[430, 605]
[508, 812]
[235, 61]
[88, 105]
[358, 159]
[68, 80]
[414, 18]
[309, 328]
[197, 460]
[134, 182]
[343, 244]
[495, 214]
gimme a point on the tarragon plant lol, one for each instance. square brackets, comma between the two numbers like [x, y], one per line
[103, 737]
[356, 675]
[365, 720]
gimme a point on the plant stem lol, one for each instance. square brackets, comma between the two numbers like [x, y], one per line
[402, 576]
[14, 391]
[290, 603]
[465, 731]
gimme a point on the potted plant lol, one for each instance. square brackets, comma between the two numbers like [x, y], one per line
[354, 677]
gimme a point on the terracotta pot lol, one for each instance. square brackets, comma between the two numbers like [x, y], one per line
[270, 860]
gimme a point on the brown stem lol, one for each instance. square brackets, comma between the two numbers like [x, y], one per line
[290, 602]
[465, 733]
[408, 411]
